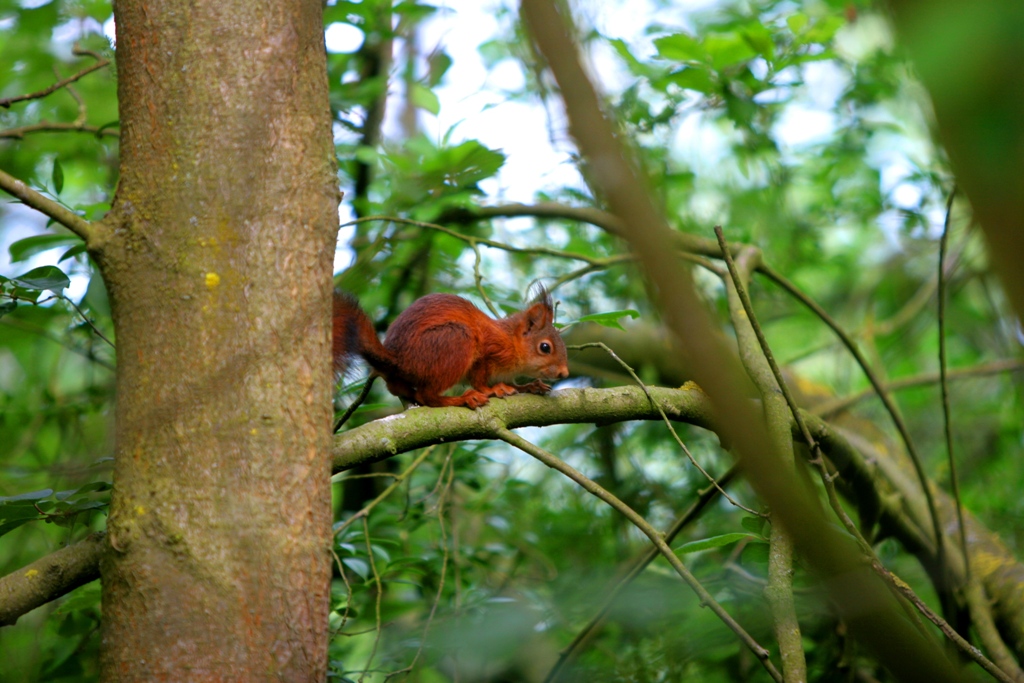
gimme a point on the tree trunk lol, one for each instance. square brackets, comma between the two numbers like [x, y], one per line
[218, 263]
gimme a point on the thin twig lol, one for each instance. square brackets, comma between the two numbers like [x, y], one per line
[836, 405]
[887, 401]
[541, 251]
[704, 497]
[779, 589]
[20, 132]
[88, 354]
[818, 458]
[592, 487]
[944, 385]
[368, 508]
[380, 596]
[441, 579]
[668, 423]
[478, 278]
[356, 403]
[101, 62]
[901, 587]
[89, 322]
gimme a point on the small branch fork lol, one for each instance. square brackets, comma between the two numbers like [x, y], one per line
[53, 209]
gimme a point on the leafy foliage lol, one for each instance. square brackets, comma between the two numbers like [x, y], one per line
[795, 125]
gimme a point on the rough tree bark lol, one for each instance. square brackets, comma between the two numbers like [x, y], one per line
[217, 255]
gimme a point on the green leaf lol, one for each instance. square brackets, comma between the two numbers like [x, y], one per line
[611, 318]
[796, 22]
[636, 67]
[679, 47]
[16, 511]
[92, 487]
[823, 31]
[728, 49]
[29, 497]
[30, 246]
[7, 307]
[689, 78]
[760, 39]
[755, 553]
[360, 567]
[73, 251]
[46, 278]
[439, 63]
[110, 124]
[754, 525]
[57, 175]
[424, 98]
[713, 542]
[85, 597]
[467, 164]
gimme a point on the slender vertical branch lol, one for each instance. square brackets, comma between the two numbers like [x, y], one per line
[779, 590]
[883, 395]
[944, 384]
[897, 586]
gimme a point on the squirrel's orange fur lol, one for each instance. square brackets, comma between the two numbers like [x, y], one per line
[442, 339]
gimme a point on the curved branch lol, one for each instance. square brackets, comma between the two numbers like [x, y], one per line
[50, 577]
[592, 487]
[837, 405]
[421, 427]
[101, 62]
[473, 241]
[636, 567]
[778, 412]
[584, 214]
[48, 127]
[63, 215]
[890, 407]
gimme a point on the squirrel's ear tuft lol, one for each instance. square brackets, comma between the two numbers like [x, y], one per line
[542, 296]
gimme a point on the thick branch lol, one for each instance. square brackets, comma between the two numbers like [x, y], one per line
[63, 215]
[50, 577]
[420, 427]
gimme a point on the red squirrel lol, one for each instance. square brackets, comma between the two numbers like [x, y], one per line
[442, 340]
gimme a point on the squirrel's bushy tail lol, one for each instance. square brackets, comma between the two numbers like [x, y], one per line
[354, 335]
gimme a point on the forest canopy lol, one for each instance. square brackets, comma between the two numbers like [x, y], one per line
[804, 177]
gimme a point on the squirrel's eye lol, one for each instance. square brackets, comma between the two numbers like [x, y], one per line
[545, 347]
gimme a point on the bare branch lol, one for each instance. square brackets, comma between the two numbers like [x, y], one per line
[657, 539]
[48, 127]
[634, 570]
[837, 405]
[63, 215]
[101, 62]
